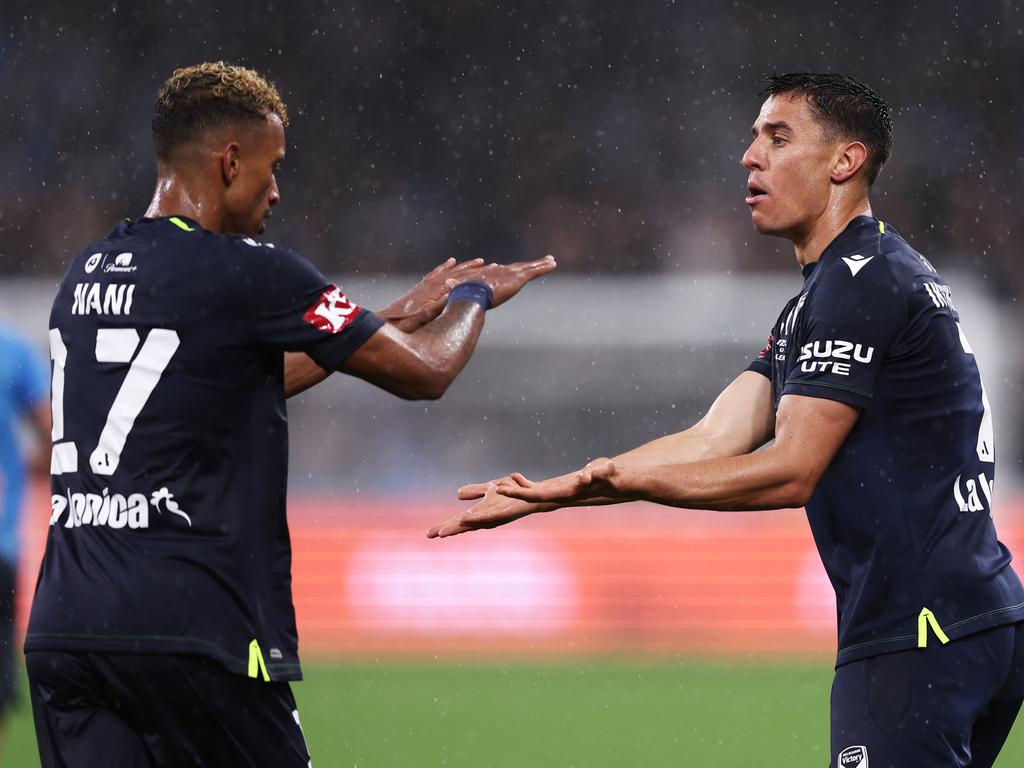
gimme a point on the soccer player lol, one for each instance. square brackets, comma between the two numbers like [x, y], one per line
[162, 632]
[881, 429]
[23, 398]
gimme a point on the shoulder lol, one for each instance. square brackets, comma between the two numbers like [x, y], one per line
[880, 270]
[254, 270]
[253, 254]
[271, 278]
[856, 285]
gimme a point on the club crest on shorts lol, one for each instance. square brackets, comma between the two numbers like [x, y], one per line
[853, 757]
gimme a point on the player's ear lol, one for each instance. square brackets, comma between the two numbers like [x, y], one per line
[229, 163]
[849, 161]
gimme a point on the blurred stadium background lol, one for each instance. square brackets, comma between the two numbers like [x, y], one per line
[608, 134]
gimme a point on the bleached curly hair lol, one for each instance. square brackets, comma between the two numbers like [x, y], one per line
[209, 95]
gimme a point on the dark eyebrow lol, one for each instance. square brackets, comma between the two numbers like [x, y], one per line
[772, 127]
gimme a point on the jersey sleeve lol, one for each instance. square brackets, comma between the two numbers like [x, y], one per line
[294, 308]
[31, 384]
[762, 364]
[849, 324]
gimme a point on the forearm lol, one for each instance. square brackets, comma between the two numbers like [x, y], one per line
[693, 444]
[741, 419]
[445, 345]
[420, 365]
[301, 372]
[756, 481]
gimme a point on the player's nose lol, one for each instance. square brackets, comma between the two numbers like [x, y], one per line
[752, 159]
[275, 194]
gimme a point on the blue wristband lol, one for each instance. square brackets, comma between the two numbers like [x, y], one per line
[473, 290]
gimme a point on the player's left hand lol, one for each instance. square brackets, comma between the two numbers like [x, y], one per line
[506, 280]
[491, 511]
[425, 300]
[598, 479]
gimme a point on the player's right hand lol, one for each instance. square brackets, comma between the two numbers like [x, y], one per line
[425, 300]
[506, 280]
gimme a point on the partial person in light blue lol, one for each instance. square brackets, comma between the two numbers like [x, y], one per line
[24, 399]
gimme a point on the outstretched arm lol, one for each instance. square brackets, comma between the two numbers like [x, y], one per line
[421, 365]
[741, 420]
[810, 432]
[409, 312]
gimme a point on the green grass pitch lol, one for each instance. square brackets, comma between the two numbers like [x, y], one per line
[557, 715]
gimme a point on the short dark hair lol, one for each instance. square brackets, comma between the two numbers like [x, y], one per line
[845, 108]
[208, 95]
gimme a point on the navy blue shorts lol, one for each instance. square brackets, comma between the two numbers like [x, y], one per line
[142, 711]
[945, 706]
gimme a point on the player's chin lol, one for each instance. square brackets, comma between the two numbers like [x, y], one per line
[763, 225]
[760, 225]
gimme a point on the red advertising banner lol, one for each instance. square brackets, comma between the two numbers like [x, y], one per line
[635, 578]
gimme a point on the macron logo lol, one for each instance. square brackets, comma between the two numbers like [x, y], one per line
[857, 262]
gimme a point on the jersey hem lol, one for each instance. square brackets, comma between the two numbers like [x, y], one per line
[990, 619]
[147, 644]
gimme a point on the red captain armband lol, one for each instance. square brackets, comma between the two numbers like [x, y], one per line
[767, 349]
[333, 312]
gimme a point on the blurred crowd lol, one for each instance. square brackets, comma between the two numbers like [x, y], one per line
[607, 133]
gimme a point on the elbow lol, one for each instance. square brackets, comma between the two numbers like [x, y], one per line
[800, 496]
[430, 386]
[425, 393]
[791, 480]
[797, 492]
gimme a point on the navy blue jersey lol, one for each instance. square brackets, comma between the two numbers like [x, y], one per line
[902, 516]
[168, 529]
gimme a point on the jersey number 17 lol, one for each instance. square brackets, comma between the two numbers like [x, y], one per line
[113, 346]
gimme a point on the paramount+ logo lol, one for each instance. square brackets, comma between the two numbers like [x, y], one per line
[833, 356]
